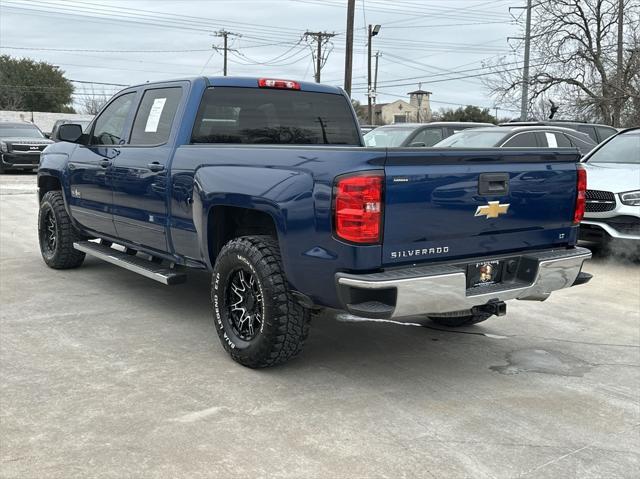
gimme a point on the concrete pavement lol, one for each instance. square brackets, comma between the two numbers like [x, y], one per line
[107, 374]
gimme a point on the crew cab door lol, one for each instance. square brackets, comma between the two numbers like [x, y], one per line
[139, 176]
[90, 196]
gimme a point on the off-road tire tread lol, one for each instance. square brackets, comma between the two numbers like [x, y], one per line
[292, 320]
[67, 256]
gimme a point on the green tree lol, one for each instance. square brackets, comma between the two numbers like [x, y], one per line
[467, 113]
[27, 85]
[361, 110]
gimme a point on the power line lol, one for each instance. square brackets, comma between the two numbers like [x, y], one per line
[6, 47]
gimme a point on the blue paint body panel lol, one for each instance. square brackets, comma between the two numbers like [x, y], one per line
[430, 197]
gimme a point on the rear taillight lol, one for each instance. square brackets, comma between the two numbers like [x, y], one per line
[582, 195]
[358, 207]
[281, 84]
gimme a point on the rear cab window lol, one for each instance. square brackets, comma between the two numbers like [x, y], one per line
[237, 115]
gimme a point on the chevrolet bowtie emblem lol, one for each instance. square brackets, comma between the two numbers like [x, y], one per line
[492, 210]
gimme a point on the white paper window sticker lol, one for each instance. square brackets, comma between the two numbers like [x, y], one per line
[154, 115]
[551, 140]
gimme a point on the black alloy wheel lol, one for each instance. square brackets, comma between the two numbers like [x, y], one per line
[48, 231]
[245, 304]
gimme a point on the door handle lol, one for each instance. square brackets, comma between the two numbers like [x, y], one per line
[155, 166]
[105, 163]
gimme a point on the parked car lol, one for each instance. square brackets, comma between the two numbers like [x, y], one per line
[266, 184]
[416, 134]
[520, 136]
[613, 194]
[56, 126]
[20, 146]
[597, 133]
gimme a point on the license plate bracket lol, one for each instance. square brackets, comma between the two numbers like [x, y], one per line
[484, 273]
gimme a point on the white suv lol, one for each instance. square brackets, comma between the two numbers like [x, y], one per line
[613, 189]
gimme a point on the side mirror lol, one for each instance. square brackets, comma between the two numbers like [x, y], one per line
[418, 144]
[70, 132]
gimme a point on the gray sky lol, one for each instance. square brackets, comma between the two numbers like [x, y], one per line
[428, 41]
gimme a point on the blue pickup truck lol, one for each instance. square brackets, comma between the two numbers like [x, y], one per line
[266, 184]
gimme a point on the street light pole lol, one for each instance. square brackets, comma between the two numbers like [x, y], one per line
[524, 105]
[373, 31]
[348, 57]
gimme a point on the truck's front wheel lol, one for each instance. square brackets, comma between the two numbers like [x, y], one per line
[56, 233]
[258, 320]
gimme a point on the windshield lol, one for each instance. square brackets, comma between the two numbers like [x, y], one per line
[621, 149]
[473, 139]
[387, 136]
[20, 132]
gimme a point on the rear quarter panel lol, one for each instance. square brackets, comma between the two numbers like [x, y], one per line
[291, 184]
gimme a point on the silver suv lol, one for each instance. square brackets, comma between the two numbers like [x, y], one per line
[613, 189]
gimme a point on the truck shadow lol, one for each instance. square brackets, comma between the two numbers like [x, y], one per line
[381, 348]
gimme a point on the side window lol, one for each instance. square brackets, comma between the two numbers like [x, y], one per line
[605, 133]
[429, 136]
[109, 125]
[522, 140]
[589, 130]
[563, 140]
[154, 118]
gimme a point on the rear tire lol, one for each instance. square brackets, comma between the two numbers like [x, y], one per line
[258, 320]
[56, 234]
[458, 319]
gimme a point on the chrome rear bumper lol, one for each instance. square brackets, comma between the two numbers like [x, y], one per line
[443, 288]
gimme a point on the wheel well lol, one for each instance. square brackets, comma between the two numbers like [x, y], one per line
[46, 184]
[228, 222]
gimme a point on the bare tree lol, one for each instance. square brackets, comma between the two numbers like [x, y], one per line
[92, 104]
[574, 45]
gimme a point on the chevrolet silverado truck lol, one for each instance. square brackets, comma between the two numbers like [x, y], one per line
[266, 184]
[21, 144]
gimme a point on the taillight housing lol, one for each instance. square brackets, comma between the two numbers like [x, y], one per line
[358, 207]
[279, 84]
[581, 197]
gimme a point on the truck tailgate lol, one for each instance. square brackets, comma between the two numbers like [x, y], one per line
[446, 204]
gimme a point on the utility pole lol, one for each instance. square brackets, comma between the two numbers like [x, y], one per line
[321, 38]
[373, 31]
[619, 80]
[375, 87]
[348, 57]
[225, 36]
[525, 71]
